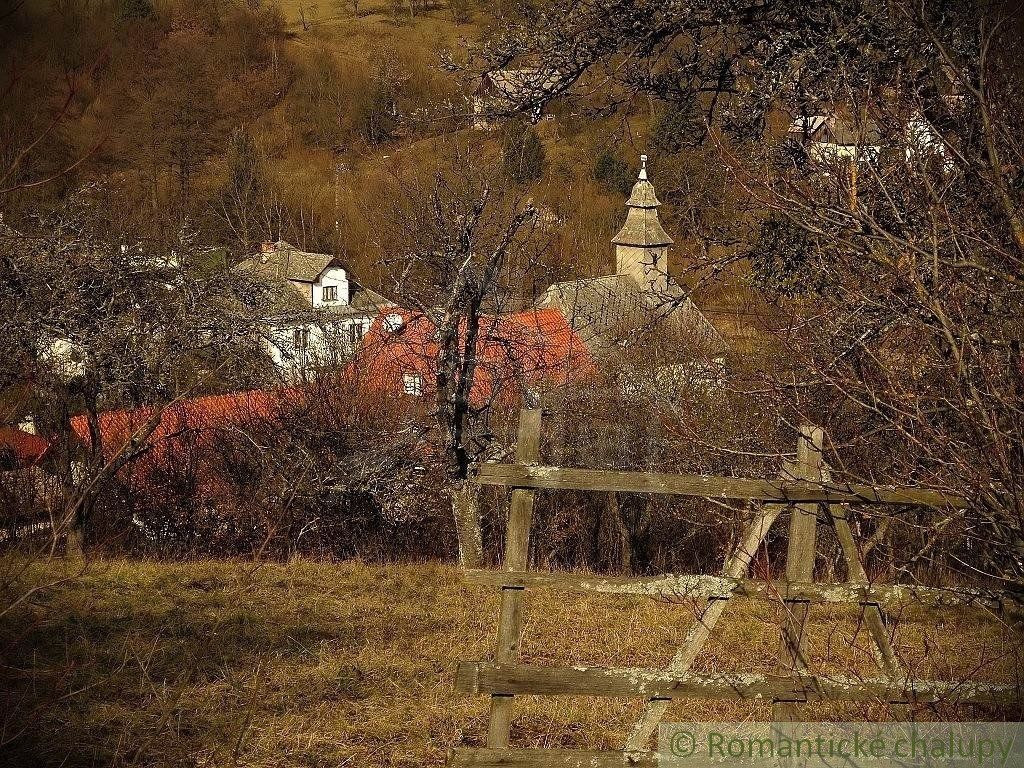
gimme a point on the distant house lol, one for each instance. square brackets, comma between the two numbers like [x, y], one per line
[507, 90]
[525, 351]
[828, 138]
[639, 307]
[321, 314]
[924, 144]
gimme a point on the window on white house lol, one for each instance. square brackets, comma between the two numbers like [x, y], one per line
[300, 339]
[330, 293]
[355, 333]
[412, 383]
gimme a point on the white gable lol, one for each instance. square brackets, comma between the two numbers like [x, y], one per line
[331, 288]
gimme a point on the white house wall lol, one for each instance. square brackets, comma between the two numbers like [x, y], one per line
[328, 343]
[333, 276]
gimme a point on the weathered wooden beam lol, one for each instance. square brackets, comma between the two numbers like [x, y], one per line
[882, 647]
[800, 554]
[553, 758]
[708, 486]
[736, 566]
[486, 677]
[885, 654]
[891, 597]
[517, 552]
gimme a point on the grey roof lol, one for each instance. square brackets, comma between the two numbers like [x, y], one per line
[292, 304]
[362, 300]
[608, 312]
[286, 261]
[836, 129]
[514, 84]
[642, 227]
[643, 195]
[285, 265]
[848, 134]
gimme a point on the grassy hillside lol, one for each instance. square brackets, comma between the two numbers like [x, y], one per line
[314, 665]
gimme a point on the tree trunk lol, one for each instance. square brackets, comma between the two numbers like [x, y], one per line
[617, 542]
[74, 542]
[466, 509]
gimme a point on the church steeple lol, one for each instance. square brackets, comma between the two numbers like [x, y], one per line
[641, 246]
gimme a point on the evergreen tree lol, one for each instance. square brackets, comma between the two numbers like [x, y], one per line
[523, 157]
[613, 173]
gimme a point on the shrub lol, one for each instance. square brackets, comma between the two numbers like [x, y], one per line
[677, 126]
[613, 173]
[523, 157]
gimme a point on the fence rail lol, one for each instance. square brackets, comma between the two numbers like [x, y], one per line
[486, 677]
[802, 489]
[891, 597]
[709, 486]
[555, 758]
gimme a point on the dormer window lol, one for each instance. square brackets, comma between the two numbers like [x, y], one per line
[330, 293]
[412, 384]
[393, 322]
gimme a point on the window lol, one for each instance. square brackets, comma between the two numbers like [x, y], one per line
[300, 339]
[330, 293]
[413, 384]
[355, 333]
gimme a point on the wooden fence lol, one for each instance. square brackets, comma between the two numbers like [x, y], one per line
[803, 488]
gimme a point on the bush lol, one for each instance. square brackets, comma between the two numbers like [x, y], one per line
[461, 12]
[613, 173]
[780, 258]
[677, 126]
[136, 9]
[523, 157]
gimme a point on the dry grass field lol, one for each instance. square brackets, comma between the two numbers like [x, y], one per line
[307, 664]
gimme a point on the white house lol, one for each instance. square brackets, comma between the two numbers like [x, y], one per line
[505, 90]
[924, 144]
[830, 137]
[321, 313]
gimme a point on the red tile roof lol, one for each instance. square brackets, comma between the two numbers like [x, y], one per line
[19, 449]
[514, 352]
[192, 416]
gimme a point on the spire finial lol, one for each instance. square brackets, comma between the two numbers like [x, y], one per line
[643, 166]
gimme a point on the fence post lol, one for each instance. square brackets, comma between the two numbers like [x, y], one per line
[799, 567]
[885, 656]
[517, 547]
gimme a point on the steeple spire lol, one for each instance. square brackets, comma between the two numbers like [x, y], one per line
[642, 227]
[641, 246]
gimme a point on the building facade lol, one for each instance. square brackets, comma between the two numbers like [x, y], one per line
[320, 313]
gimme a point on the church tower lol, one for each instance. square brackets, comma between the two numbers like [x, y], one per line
[641, 247]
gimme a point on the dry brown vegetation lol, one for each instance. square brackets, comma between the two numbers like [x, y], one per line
[304, 664]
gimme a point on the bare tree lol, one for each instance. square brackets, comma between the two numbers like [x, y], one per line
[99, 322]
[905, 262]
[465, 246]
